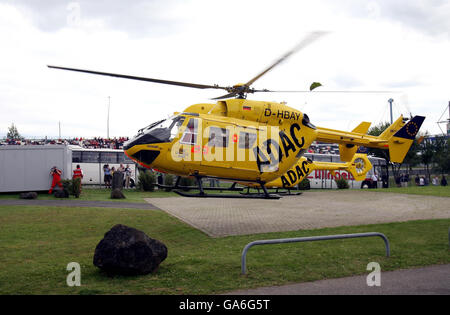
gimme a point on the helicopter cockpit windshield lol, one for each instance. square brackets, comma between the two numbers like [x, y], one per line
[162, 131]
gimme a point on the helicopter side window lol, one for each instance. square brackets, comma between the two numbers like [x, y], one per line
[190, 133]
[175, 127]
[218, 137]
[246, 140]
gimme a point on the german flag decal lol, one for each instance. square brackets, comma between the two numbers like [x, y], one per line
[246, 108]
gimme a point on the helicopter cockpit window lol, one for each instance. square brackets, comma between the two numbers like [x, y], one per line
[162, 131]
[246, 140]
[218, 137]
[190, 133]
[165, 130]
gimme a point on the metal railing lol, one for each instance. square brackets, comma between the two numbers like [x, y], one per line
[310, 239]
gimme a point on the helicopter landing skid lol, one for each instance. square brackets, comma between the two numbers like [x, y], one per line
[241, 196]
[280, 193]
[186, 188]
[202, 193]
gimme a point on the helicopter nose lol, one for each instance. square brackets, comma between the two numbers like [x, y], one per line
[145, 156]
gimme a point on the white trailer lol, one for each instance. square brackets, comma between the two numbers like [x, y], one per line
[27, 167]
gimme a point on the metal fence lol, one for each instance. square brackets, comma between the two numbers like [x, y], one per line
[310, 239]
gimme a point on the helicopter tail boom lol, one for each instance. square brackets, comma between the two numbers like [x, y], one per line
[397, 138]
[358, 166]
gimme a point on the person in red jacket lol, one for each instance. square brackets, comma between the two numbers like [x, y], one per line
[78, 173]
[56, 174]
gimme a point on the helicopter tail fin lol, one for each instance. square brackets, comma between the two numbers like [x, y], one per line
[359, 166]
[347, 151]
[400, 142]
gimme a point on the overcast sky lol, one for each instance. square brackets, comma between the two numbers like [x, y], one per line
[399, 46]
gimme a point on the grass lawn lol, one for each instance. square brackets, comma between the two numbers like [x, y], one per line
[102, 194]
[133, 195]
[37, 243]
[439, 191]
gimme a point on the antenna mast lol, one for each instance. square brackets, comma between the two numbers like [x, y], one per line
[445, 121]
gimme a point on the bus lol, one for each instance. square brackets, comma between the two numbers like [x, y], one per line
[324, 180]
[92, 161]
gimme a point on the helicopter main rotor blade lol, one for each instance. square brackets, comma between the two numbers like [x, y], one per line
[302, 44]
[185, 84]
[314, 92]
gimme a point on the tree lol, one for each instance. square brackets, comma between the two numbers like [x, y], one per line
[13, 133]
[427, 150]
[441, 155]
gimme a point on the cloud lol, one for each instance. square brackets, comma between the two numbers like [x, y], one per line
[403, 84]
[345, 81]
[431, 17]
[136, 18]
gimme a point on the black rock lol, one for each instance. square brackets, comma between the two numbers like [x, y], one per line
[29, 195]
[117, 194]
[117, 180]
[61, 193]
[128, 251]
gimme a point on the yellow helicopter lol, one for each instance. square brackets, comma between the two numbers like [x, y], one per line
[247, 141]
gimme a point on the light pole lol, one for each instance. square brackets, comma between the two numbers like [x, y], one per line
[390, 105]
[107, 119]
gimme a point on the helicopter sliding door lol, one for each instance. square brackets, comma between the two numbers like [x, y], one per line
[216, 145]
[230, 147]
[245, 139]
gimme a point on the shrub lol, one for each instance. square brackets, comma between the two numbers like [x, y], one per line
[72, 186]
[146, 180]
[168, 181]
[304, 184]
[187, 181]
[342, 183]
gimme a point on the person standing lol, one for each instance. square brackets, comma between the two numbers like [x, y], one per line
[78, 173]
[107, 175]
[56, 175]
[435, 181]
[374, 180]
[417, 180]
[443, 181]
[127, 176]
[421, 181]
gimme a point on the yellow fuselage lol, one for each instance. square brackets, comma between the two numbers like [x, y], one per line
[234, 139]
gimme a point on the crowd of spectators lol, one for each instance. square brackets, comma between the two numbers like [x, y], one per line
[93, 143]
[323, 148]
[99, 143]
